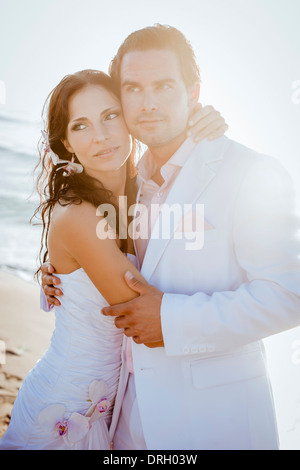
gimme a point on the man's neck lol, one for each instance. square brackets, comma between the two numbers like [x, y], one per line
[163, 153]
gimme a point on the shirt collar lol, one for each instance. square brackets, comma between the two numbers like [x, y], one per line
[146, 167]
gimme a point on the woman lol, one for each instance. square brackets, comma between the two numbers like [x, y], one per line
[66, 400]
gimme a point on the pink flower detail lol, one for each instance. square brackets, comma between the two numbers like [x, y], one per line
[97, 395]
[53, 420]
[72, 430]
[62, 427]
[103, 405]
[70, 168]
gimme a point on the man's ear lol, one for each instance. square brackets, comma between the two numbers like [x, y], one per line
[194, 94]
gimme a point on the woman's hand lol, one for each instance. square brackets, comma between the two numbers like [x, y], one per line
[49, 283]
[206, 122]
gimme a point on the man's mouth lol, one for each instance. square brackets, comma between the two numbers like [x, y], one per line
[149, 122]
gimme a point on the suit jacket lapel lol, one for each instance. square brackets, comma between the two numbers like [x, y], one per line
[192, 180]
[134, 220]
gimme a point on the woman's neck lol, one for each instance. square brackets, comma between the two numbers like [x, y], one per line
[114, 181]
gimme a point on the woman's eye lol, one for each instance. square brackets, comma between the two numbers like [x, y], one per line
[111, 116]
[78, 127]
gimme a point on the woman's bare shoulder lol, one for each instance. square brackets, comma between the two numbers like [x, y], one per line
[73, 215]
[72, 226]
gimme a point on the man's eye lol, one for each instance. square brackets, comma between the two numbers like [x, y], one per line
[133, 89]
[164, 86]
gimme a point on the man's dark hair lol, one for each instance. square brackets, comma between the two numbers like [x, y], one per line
[159, 37]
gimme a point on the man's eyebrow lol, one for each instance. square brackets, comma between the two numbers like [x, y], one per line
[129, 83]
[165, 80]
[157, 82]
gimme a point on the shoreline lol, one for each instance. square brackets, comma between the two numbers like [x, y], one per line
[19, 273]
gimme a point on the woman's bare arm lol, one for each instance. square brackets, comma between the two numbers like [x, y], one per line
[76, 230]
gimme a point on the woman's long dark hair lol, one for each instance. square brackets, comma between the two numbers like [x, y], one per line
[52, 186]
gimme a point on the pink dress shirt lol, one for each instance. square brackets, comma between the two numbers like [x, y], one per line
[153, 196]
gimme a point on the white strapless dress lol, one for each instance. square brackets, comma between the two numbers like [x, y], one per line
[66, 400]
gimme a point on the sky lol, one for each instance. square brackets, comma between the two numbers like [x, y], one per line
[248, 51]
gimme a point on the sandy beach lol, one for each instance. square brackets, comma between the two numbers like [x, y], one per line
[25, 331]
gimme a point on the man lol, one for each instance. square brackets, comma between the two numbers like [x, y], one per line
[206, 386]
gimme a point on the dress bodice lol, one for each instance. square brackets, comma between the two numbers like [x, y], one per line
[85, 344]
[75, 383]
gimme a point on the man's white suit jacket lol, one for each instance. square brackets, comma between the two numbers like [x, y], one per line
[208, 388]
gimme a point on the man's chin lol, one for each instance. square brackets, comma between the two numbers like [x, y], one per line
[152, 140]
[156, 141]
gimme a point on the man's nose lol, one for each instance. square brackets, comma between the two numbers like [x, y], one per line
[149, 101]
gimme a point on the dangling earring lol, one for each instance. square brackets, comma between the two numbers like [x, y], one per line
[72, 167]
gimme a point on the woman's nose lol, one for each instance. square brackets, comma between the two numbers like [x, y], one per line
[100, 133]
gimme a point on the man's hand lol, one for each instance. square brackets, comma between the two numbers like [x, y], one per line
[49, 281]
[140, 317]
[206, 122]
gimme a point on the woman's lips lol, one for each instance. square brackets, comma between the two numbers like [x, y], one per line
[105, 153]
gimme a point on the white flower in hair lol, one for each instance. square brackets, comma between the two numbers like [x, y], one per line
[70, 168]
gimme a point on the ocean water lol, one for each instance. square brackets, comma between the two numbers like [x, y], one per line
[19, 240]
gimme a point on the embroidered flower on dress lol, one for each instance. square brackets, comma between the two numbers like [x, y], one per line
[97, 395]
[73, 429]
[62, 427]
[103, 405]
